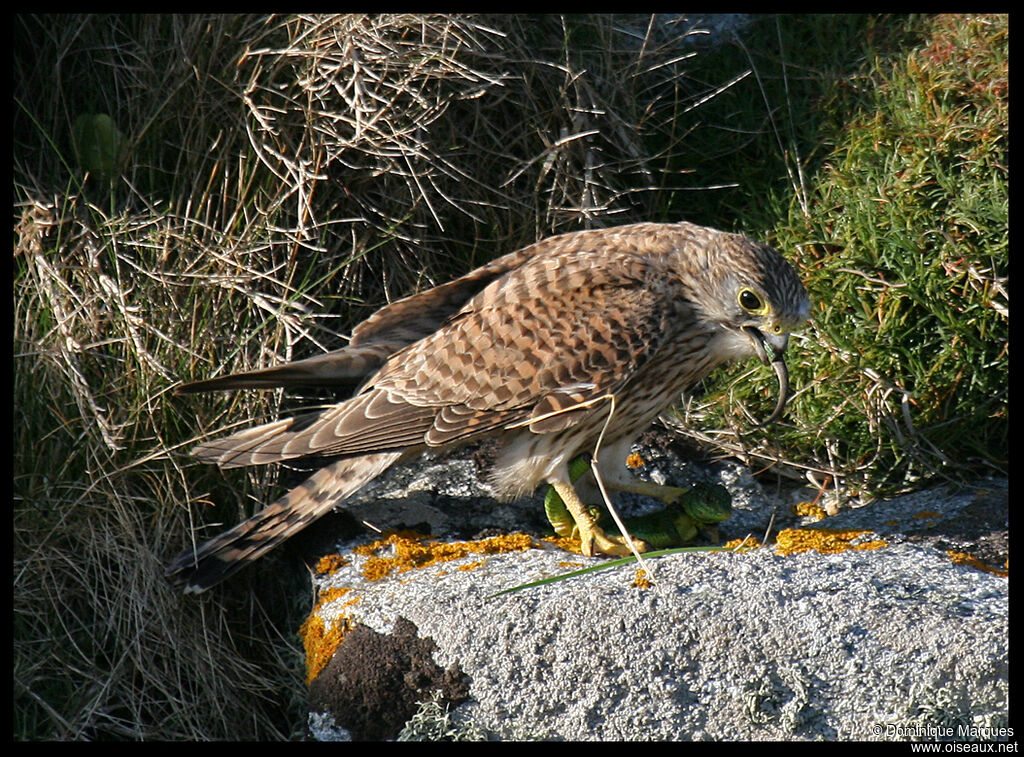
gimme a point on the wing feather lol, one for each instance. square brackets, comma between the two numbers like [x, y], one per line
[546, 332]
[541, 344]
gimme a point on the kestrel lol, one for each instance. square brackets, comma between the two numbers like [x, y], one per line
[583, 335]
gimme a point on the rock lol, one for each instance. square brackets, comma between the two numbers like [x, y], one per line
[886, 638]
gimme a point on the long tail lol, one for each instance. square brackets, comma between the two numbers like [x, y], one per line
[209, 564]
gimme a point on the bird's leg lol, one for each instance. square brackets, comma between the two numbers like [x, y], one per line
[592, 537]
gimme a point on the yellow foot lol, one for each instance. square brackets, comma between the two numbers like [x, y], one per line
[598, 542]
[593, 539]
[691, 511]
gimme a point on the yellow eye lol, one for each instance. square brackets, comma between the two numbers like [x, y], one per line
[750, 302]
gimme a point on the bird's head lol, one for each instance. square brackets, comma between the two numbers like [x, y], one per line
[756, 299]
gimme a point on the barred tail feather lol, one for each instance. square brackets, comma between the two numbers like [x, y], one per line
[212, 562]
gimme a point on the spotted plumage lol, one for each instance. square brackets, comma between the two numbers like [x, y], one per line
[534, 348]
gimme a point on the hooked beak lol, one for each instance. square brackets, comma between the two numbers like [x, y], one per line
[771, 348]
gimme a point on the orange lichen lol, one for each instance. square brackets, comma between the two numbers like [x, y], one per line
[409, 550]
[641, 581]
[791, 541]
[565, 543]
[633, 460]
[926, 514]
[964, 558]
[336, 592]
[748, 543]
[320, 642]
[809, 509]
[329, 564]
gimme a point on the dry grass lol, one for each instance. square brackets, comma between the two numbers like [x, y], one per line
[256, 184]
